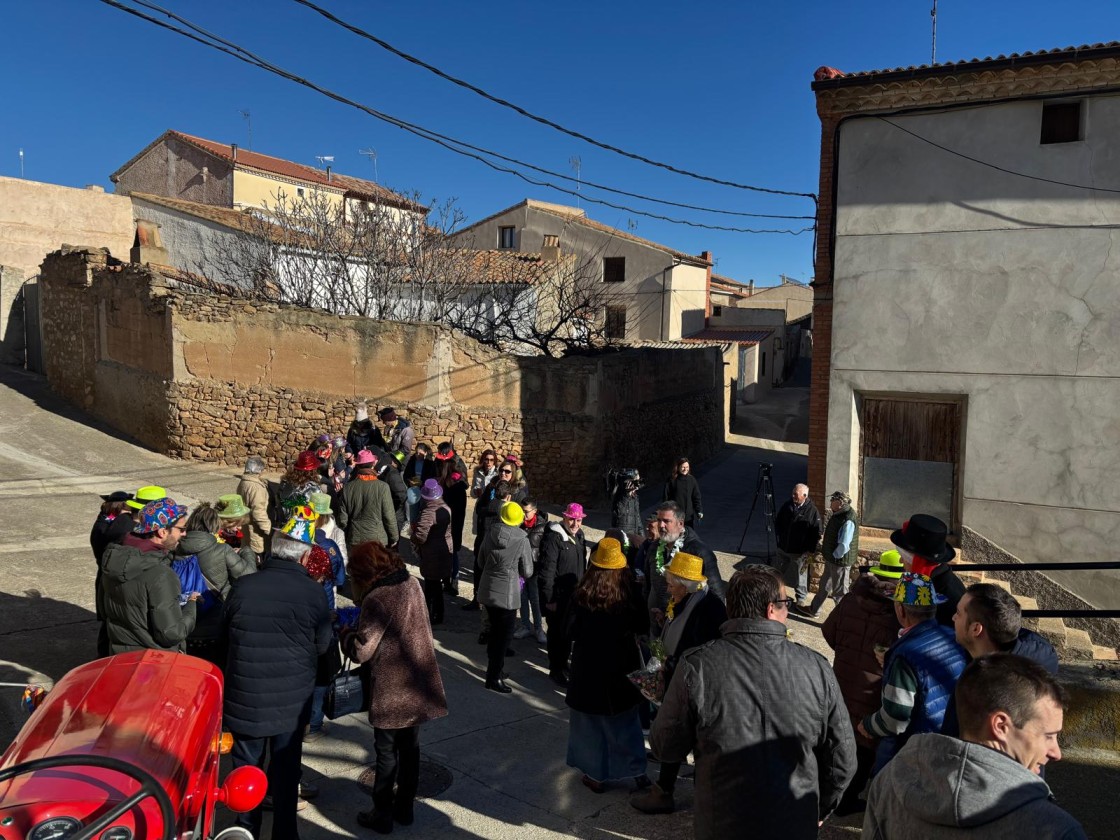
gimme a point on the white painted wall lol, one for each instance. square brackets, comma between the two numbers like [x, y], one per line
[954, 278]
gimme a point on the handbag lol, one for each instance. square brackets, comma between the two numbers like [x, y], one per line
[348, 692]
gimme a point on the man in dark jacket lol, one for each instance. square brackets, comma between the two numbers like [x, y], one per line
[797, 530]
[563, 560]
[779, 764]
[140, 594]
[278, 624]
[388, 472]
[675, 536]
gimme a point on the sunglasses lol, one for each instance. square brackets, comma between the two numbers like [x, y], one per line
[506, 472]
[783, 602]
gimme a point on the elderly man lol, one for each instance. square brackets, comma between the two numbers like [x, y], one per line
[254, 491]
[674, 536]
[920, 671]
[764, 718]
[140, 593]
[797, 530]
[398, 433]
[988, 784]
[277, 624]
[563, 560]
[840, 548]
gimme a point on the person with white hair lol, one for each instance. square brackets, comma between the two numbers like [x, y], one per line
[797, 530]
[254, 491]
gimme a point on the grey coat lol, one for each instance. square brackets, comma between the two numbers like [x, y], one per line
[772, 739]
[506, 555]
[939, 788]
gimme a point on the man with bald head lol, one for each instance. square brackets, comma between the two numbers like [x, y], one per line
[797, 529]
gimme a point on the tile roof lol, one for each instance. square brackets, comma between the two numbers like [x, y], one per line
[578, 216]
[504, 267]
[727, 285]
[828, 77]
[358, 187]
[226, 216]
[738, 335]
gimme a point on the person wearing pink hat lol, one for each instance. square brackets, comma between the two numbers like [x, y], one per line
[563, 560]
[365, 509]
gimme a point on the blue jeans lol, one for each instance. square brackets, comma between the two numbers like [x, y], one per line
[285, 752]
[317, 715]
[531, 598]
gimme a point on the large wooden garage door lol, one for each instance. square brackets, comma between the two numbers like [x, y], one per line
[910, 459]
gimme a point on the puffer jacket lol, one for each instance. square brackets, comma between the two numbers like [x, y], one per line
[432, 537]
[394, 636]
[401, 437]
[277, 625]
[254, 491]
[506, 555]
[536, 534]
[772, 739]
[140, 598]
[862, 619]
[563, 560]
[220, 564]
[365, 512]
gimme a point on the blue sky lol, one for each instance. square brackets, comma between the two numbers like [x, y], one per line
[713, 86]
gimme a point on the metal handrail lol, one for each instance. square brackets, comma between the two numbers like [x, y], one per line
[1074, 566]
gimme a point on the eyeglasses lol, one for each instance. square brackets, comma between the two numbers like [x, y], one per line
[784, 602]
[506, 472]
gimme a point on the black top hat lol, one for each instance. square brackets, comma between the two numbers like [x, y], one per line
[925, 535]
[116, 496]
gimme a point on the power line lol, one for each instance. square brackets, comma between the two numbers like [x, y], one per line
[997, 167]
[536, 118]
[447, 142]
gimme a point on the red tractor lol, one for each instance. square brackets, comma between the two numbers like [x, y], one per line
[125, 748]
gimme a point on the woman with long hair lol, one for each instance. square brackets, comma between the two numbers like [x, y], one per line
[394, 637]
[683, 488]
[605, 617]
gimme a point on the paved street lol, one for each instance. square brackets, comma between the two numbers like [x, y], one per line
[503, 756]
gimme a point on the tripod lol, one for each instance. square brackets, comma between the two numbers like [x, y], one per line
[763, 490]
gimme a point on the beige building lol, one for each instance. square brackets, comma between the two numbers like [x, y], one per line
[655, 292]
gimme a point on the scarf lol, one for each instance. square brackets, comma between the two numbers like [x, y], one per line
[664, 555]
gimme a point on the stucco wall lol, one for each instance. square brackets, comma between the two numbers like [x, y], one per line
[953, 278]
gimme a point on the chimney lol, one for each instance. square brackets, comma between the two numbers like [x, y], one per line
[328, 174]
[750, 288]
[550, 248]
[95, 188]
[147, 246]
[233, 150]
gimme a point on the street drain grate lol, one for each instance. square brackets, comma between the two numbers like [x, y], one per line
[434, 779]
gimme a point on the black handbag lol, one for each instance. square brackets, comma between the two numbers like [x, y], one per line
[348, 692]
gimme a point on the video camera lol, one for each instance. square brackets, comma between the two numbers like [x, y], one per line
[622, 480]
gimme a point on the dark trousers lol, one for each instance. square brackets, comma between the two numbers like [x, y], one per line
[433, 597]
[285, 752]
[559, 642]
[398, 762]
[865, 760]
[501, 634]
[667, 778]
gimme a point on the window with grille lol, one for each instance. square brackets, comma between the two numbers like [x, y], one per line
[614, 269]
[1061, 122]
[615, 322]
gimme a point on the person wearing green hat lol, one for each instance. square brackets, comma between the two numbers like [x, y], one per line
[862, 623]
[144, 495]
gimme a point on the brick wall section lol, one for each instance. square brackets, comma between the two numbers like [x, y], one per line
[822, 318]
[223, 378]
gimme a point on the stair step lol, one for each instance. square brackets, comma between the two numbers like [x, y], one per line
[1027, 603]
[1104, 654]
[1054, 631]
[1079, 645]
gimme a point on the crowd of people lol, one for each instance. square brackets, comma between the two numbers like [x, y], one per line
[640, 630]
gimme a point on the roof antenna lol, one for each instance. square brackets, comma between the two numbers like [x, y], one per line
[249, 121]
[933, 49]
[576, 163]
[372, 155]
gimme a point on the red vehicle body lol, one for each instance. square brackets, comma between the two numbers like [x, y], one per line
[137, 734]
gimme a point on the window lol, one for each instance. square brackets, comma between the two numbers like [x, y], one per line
[762, 366]
[299, 191]
[505, 237]
[615, 326]
[717, 310]
[1061, 122]
[614, 269]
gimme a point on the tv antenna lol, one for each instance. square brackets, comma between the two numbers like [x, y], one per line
[933, 48]
[576, 165]
[21, 163]
[372, 155]
[631, 224]
[249, 123]
[324, 159]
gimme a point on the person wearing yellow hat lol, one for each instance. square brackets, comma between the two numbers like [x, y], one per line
[605, 732]
[506, 557]
[144, 495]
[693, 618]
[862, 623]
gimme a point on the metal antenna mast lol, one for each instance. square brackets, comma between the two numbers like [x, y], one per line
[576, 164]
[372, 155]
[933, 49]
[249, 121]
[21, 163]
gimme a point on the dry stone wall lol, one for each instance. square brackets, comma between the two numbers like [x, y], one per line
[221, 379]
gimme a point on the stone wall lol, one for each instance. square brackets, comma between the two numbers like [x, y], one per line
[213, 378]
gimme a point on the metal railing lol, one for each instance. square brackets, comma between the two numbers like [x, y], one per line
[1074, 566]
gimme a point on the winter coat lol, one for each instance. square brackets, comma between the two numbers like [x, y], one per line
[397, 488]
[365, 511]
[945, 582]
[694, 545]
[107, 531]
[277, 625]
[604, 651]
[254, 491]
[394, 636]
[939, 788]
[771, 737]
[563, 560]
[506, 556]
[220, 564]
[427, 469]
[140, 598]
[685, 491]
[431, 534]
[701, 626]
[862, 619]
[536, 534]
[365, 435]
[401, 437]
[797, 530]
[626, 512]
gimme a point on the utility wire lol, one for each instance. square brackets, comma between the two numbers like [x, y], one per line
[535, 117]
[445, 141]
[997, 167]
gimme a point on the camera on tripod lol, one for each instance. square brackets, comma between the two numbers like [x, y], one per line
[623, 480]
